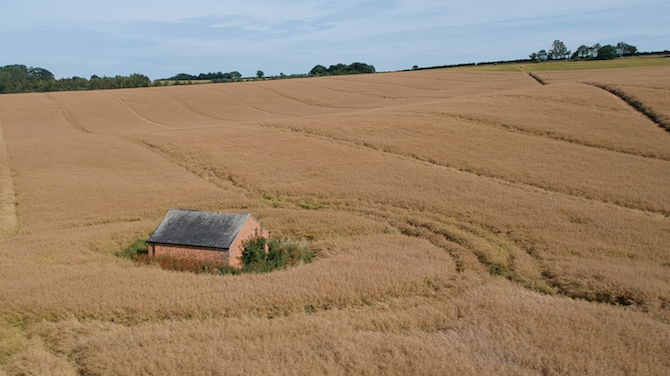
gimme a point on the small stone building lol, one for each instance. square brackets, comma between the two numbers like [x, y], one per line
[204, 236]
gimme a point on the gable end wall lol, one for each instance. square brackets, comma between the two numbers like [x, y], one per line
[250, 228]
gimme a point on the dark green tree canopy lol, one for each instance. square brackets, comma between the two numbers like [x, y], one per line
[341, 69]
[582, 52]
[40, 74]
[318, 70]
[593, 50]
[607, 52]
[213, 76]
[559, 51]
[22, 79]
[624, 49]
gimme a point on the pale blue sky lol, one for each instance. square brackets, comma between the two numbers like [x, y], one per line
[160, 38]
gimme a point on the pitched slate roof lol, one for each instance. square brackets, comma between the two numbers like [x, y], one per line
[199, 228]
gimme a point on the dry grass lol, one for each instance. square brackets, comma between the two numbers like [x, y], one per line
[465, 222]
[469, 335]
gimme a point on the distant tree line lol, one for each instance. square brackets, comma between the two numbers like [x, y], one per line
[22, 79]
[342, 69]
[215, 77]
[319, 70]
[559, 51]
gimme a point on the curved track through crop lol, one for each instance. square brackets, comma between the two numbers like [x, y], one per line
[132, 110]
[249, 105]
[635, 104]
[67, 114]
[478, 174]
[443, 234]
[543, 134]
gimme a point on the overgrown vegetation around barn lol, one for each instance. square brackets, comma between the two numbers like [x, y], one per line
[282, 253]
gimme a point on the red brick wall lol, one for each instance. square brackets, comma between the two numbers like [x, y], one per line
[194, 253]
[250, 228]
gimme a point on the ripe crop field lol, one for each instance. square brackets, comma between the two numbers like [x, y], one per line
[465, 222]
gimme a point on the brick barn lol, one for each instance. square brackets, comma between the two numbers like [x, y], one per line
[204, 236]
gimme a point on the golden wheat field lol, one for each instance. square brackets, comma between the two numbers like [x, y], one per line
[466, 223]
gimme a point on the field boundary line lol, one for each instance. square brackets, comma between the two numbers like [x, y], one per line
[500, 180]
[9, 220]
[67, 114]
[635, 103]
[127, 106]
[540, 134]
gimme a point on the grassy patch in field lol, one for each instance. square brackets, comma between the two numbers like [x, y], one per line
[630, 62]
[12, 341]
[506, 67]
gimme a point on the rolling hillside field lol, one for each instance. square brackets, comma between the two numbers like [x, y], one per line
[465, 222]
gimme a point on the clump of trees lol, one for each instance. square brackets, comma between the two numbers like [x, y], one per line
[319, 70]
[23, 79]
[559, 51]
[342, 69]
[215, 77]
